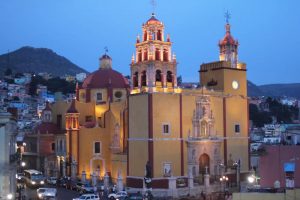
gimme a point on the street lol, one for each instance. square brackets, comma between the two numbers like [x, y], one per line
[62, 193]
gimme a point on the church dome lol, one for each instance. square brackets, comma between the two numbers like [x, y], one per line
[103, 78]
[228, 39]
[153, 20]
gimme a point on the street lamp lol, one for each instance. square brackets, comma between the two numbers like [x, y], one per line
[9, 196]
[224, 180]
[251, 179]
[23, 164]
[237, 165]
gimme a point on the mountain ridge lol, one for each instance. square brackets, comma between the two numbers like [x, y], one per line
[31, 59]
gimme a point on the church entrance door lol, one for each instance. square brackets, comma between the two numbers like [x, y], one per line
[203, 163]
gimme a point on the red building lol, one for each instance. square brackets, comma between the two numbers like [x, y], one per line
[281, 163]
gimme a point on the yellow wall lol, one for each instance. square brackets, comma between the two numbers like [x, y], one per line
[166, 110]
[237, 143]
[138, 129]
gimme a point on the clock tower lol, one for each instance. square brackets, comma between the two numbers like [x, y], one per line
[227, 75]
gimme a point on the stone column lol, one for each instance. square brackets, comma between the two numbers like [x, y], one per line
[106, 181]
[64, 168]
[191, 179]
[172, 187]
[120, 183]
[206, 180]
[73, 169]
[94, 179]
[83, 176]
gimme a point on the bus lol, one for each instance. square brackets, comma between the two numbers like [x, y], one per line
[33, 177]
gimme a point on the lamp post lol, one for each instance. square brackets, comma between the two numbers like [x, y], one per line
[237, 165]
[224, 180]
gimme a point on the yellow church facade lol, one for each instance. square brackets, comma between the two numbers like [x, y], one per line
[115, 128]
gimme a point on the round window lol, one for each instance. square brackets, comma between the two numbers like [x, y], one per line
[118, 94]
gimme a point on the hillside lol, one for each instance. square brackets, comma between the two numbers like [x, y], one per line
[29, 59]
[274, 90]
[290, 90]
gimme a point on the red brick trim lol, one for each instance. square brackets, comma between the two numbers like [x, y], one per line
[181, 136]
[150, 132]
[225, 131]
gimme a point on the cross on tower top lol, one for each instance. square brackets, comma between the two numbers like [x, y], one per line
[227, 16]
[153, 3]
[106, 50]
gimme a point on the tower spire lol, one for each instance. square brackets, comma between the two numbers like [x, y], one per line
[228, 45]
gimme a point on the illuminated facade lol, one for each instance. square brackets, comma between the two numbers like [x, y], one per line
[113, 128]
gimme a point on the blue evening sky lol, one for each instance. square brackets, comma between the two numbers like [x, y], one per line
[268, 32]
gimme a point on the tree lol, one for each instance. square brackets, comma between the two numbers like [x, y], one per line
[179, 80]
[259, 118]
[8, 72]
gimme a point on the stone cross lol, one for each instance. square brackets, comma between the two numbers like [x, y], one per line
[206, 170]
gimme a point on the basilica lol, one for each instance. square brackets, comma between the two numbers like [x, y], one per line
[115, 127]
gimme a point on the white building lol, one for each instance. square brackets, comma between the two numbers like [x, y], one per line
[80, 77]
[8, 132]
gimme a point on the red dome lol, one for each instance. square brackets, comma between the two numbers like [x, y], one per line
[47, 128]
[103, 78]
[228, 39]
[153, 20]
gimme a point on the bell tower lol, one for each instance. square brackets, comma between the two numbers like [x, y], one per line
[227, 75]
[153, 68]
[229, 48]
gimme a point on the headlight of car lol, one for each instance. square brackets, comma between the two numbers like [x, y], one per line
[33, 182]
[40, 195]
[42, 182]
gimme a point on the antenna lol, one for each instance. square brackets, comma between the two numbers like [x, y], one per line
[153, 4]
[227, 16]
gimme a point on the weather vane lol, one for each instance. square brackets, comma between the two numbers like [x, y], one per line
[153, 3]
[227, 16]
[106, 50]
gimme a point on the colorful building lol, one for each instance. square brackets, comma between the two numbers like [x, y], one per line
[114, 128]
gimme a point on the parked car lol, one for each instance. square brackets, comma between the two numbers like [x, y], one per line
[78, 186]
[46, 193]
[20, 177]
[135, 196]
[52, 180]
[118, 195]
[100, 186]
[87, 196]
[86, 188]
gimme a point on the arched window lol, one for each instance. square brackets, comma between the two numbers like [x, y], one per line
[158, 75]
[136, 79]
[145, 55]
[144, 78]
[145, 36]
[157, 54]
[165, 57]
[169, 77]
[140, 56]
[159, 35]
